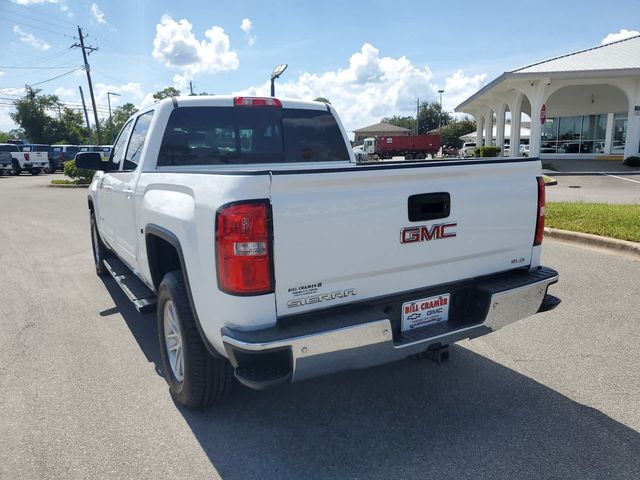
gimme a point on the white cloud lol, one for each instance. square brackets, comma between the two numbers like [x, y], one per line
[12, 91]
[621, 35]
[176, 46]
[30, 39]
[66, 93]
[458, 87]
[129, 92]
[6, 123]
[97, 14]
[33, 2]
[246, 27]
[371, 87]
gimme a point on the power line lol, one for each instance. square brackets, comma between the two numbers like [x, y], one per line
[48, 15]
[47, 22]
[58, 76]
[37, 68]
[30, 25]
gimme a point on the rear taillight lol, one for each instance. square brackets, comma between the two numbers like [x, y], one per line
[243, 250]
[26, 157]
[540, 219]
[256, 102]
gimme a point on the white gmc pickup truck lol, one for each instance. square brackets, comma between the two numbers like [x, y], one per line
[272, 257]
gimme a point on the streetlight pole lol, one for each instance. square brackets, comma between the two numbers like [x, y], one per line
[110, 120]
[440, 113]
[279, 70]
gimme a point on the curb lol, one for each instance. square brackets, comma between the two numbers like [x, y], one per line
[594, 240]
[66, 185]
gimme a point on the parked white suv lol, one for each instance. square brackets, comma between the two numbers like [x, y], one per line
[271, 256]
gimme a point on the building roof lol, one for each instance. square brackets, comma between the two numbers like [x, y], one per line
[381, 127]
[611, 56]
[620, 57]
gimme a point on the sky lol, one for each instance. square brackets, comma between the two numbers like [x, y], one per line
[371, 59]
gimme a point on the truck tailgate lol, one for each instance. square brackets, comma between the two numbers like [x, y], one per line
[338, 235]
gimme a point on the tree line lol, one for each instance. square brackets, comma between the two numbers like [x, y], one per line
[43, 118]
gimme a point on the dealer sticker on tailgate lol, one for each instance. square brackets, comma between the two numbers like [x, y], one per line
[425, 311]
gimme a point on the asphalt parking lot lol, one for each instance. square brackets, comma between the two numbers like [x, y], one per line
[610, 187]
[554, 396]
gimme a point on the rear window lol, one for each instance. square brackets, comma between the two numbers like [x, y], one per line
[9, 148]
[242, 135]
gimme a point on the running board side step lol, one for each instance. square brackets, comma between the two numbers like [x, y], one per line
[140, 295]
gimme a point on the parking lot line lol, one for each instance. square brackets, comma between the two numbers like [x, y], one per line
[621, 178]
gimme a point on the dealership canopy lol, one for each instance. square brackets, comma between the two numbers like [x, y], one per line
[582, 104]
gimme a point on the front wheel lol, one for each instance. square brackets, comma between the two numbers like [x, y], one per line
[195, 378]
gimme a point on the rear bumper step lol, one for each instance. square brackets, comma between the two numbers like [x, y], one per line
[140, 295]
[343, 339]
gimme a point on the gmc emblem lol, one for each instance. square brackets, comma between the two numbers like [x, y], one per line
[423, 233]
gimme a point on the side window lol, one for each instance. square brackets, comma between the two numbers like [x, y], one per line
[120, 145]
[138, 136]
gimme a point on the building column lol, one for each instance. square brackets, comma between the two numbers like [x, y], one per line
[536, 129]
[632, 143]
[479, 124]
[500, 111]
[608, 136]
[488, 127]
[537, 98]
[516, 114]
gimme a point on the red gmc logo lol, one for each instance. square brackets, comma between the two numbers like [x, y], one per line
[426, 234]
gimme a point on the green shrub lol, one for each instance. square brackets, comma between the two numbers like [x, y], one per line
[80, 175]
[487, 151]
[632, 161]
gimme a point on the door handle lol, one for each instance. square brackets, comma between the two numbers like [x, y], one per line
[429, 206]
[128, 193]
[107, 187]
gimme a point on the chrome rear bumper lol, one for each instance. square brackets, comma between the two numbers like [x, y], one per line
[263, 359]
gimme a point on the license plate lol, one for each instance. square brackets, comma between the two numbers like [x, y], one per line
[425, 311]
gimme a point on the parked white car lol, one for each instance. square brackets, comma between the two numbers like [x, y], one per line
[271, 256]
[468, 150]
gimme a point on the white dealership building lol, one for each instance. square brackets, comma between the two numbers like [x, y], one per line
[582, 105]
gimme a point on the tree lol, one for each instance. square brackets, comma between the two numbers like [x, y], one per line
[451, 133]
[119, 116]
[4, 137]
[166, 92]
[404, 122]
[322, 99]
[69, 128]
[430, 115]
[32, 114]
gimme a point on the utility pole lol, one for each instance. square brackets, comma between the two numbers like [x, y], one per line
[440, 113]
[87, 69]
[86, 115]
[191, 88]
[417, 115]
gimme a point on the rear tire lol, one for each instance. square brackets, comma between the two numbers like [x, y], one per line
[100, 251]
[196, 379]
[16, 168]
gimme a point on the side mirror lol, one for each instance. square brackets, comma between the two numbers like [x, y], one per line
[91, 161]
